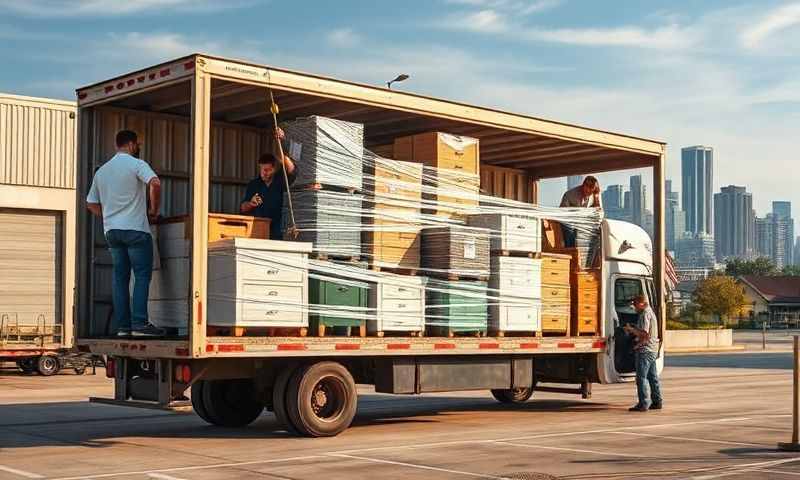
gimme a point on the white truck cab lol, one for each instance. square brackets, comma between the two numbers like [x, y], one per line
[627, 272]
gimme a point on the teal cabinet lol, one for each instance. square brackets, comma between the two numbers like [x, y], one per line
[456, 307]
[335, 304]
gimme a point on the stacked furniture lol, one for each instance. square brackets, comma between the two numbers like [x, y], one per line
[391, 237]
[398, 304]
[556, 293]
[587, 245]
[330, 220]
[516, 282]
[456, 252]
[586, 302]
[342, 305]
[451, 170]
[509, 233]
[258, 283]
[456, 307]
[329, 152]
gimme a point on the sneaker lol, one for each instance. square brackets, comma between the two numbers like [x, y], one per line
[656, 406]
[637, 408]
[148, 330]
[123, 332]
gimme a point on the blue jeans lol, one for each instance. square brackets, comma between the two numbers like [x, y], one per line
[130, 249]
[647, 382]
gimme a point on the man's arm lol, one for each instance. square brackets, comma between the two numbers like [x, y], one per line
[95, 208]
[154, 187]
[285, 159]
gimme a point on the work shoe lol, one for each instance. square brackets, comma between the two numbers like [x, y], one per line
[123, 332]
[148, 330]
[637, 408]
[656, 406]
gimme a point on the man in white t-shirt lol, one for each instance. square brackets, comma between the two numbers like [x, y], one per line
[119, 196]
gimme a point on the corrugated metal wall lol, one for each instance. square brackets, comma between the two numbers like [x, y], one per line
[508, 183]
[37, 143]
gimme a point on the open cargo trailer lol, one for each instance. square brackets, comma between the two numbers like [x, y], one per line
[204, 120]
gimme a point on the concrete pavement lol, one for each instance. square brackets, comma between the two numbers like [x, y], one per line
[724, 415]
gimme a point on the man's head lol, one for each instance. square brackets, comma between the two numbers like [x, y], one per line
[266, 167]
[590, 186]
[128, 142]
[640, 303]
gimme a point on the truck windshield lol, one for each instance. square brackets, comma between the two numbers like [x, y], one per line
[625, 290]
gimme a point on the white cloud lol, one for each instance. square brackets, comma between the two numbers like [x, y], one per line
[484, 21]
[774, 21]
[670, 37]
[520, 7]
[109, 8]
[343, 38]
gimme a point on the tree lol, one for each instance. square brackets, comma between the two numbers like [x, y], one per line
[791, 270]
[736, 267]
[719, 295]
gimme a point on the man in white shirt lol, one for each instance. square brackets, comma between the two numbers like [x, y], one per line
[648, 385]
[119, 196]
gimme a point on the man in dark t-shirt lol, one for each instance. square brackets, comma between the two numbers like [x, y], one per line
[264, 195]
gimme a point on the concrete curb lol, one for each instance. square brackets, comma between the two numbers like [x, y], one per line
[734, 348]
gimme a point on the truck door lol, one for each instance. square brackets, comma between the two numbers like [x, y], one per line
[625, 290]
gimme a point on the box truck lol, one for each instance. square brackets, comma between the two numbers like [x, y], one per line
[205, 119]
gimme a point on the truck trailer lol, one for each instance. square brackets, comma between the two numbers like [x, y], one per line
[201, 114]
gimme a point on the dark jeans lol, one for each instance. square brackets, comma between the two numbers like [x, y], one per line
[647, 382]
[130, 249]
[569, 235]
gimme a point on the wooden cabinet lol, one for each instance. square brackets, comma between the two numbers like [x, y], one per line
[456, 307]
[344, 303]
[452, 166]
[510, 233]
[556, 293]
[586, 302]
[258, 283]
[398, 304]
[222, 226]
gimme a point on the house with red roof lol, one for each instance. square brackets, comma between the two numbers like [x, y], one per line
[772, 299]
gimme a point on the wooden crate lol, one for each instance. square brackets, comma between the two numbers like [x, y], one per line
[346, 303]
[398, 302]
[455, 308]
[556, 294]
[392, 181]
[452, 163]
[517, 281]
[510, 233]
[586, 302]
[223, 225]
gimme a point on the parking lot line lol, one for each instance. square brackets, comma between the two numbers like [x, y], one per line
[413, 465]
[162, 476]
[21, 473]
[576, 450]
[689, 439]
[779, 472]
[746, 468]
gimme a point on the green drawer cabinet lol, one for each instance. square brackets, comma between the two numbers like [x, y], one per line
[456, 307]
[347, 303]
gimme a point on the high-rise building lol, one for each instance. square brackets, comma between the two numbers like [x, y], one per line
[773, 239]
[797, 251]
[784, 233]
[782, 209]
[734, 222]
[638, 200]
[573, 181]
[697, 172]
[695, 251]
[675, 221]
[614, 202]
[764, 236]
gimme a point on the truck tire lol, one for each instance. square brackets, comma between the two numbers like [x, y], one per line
[279, 399]
[513, 395]
[27, 365]
[322, 399]
[231, 403]
[48, 365]
[197, 401]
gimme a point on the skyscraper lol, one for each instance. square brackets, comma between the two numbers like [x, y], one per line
[697, 172]
[638, 200]
[573, 181]
[782, 209]
[614, 202]
[675, 221]
[764, 236]
[784, 232]
[734, 222]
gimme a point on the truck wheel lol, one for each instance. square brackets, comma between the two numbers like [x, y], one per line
[279, 399]
[231, 403]
[48, 365]
[322, 399]
[513, 395]
[27, 365]
[197, 401]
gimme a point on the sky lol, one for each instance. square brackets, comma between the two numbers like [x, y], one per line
[722, 73]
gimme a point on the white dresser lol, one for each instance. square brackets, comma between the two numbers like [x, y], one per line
[258, 283]
[510, 233]
[517, 281]
[398, 303]
[168, 305]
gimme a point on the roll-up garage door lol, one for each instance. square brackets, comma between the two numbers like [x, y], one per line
[31, 283]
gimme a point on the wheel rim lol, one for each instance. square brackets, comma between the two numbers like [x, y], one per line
[48, 364]
[328, 399]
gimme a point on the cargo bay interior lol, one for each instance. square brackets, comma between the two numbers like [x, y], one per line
[511, 160]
